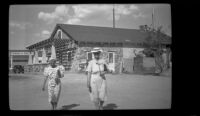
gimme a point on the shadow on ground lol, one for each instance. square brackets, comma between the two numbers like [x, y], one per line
[68, 107]
[110, 106]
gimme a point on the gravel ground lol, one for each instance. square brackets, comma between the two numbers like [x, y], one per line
[125, 91]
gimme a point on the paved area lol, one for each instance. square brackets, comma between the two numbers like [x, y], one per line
[125, 91]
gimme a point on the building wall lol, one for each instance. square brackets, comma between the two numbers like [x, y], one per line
[35, 69]
[129, 52]
[123, 61]
[128, 58]
[19, 57]
[81, 56]
[18, 60]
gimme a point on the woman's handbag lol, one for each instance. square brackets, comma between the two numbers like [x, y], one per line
[58, 73]
[58, 76]
[105, 68]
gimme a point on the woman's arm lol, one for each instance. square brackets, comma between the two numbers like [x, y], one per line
[46, 77]
[61, 71]
[89, 72]
[45, 80]
[59, 74]
[88, 81]
[106, 69]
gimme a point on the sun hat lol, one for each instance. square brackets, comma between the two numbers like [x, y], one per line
[96, 50]
[51, 59]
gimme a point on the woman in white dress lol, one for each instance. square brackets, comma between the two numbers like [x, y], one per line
[53, 73]
[96, 81]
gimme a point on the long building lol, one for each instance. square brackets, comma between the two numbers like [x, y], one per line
[18, 57]
[73, 44]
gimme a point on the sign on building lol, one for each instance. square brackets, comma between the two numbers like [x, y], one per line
[21, 53]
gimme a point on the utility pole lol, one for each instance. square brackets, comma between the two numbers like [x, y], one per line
[153, 19]
[11, 61]
[113, 16]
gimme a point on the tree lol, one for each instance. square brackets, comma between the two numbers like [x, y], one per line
[153, 44]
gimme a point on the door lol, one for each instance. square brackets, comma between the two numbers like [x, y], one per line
[89, 56]
[111, 61]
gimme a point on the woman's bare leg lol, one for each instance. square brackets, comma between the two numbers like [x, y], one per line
[58, 96]
[52, 106]
[96, 104]
[56, 105]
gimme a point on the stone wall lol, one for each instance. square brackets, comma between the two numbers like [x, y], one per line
[128, 65]
[118, 59]
[81, 56]
[35, 68]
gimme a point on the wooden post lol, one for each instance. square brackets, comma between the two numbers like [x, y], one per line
[121, 66]
[11, 61]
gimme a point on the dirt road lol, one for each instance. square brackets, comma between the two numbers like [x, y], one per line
[124, 92]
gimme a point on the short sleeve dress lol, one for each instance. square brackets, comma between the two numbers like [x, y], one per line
[98, 84]
[54, 83]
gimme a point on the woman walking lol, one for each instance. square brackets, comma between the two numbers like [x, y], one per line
[53, 73]
[96, 81]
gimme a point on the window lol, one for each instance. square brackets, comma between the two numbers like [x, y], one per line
[59, 34]
[110, 57]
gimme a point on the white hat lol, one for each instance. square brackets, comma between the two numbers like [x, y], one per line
[96, 50]
[52, 58]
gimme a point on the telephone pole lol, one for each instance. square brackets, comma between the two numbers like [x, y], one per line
[113, 16]
[153, 19]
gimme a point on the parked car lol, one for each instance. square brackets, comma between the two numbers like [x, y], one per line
[18, 69]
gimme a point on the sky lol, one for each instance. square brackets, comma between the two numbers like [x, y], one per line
[29, 24]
